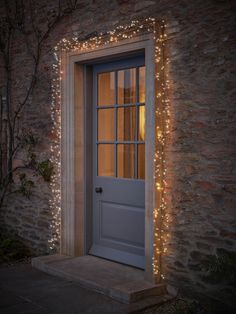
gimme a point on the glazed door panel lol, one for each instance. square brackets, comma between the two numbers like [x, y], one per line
[119, 161]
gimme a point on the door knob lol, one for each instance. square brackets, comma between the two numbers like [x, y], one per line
[98, 189]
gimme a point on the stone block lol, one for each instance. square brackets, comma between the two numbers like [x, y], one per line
[120, 282]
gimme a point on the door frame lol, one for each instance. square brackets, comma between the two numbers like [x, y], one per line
[76, 144]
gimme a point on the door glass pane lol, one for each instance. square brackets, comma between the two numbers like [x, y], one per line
[106, 160]
[126, 124]
[141, 161]
[106, 89]
[106, 128]
[141, 132]
[125, 160]
[127, 86]
[142, 84]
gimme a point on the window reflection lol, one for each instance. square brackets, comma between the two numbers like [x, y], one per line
[126, 124]
[106, 128]
[141, 161]
[125, 160]
[126, 86]
[141, 133]
[142, 83]
[106, 89]
[106, 165]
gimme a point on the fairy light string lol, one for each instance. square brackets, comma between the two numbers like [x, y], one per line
[161, 218]
[55, 156]
[121, 32]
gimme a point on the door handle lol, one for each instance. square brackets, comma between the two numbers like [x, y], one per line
[98, 189]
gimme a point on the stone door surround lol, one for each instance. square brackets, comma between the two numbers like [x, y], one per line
[76, 115]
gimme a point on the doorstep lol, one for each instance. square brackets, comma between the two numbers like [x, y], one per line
[120, 282]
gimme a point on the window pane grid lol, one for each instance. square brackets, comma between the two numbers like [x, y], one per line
[125, 152]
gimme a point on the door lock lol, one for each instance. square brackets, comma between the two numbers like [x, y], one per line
[98, 190]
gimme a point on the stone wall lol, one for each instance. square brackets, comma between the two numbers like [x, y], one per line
[201, 151]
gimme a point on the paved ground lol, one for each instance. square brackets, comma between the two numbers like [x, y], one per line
[27, 290]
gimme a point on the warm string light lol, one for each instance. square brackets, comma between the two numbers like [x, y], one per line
[55, 202]
[121, 32]
[160, 216]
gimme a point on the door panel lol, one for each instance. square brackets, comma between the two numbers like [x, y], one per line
[119, 161]
[116, 220]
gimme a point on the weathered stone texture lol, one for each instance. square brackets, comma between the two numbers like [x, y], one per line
[201, 150]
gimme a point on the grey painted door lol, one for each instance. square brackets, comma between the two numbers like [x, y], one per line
[119, 159]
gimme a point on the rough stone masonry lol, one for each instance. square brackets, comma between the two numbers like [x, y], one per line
[201, 152]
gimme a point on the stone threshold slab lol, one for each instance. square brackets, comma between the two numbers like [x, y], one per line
[120, 282]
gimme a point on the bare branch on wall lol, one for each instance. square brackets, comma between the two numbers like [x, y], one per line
[13, 24]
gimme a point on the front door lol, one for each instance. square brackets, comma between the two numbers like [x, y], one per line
[119, 161]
